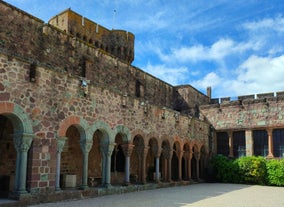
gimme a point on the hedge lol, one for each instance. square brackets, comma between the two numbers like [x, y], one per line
[248, 170]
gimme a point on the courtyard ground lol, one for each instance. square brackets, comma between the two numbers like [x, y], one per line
[201, 195]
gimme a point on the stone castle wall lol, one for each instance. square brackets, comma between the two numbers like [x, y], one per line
[41, 73]
[28, 38]
[246, 113]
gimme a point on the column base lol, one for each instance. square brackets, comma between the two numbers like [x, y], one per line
[18, 195]
[270, 156]
[58, 189]
[107, 185]
[84, 187]
[21, 192]
[126, 184]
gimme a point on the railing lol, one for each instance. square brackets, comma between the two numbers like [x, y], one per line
[247, 97]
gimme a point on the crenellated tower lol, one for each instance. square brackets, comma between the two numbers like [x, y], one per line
[119, 43]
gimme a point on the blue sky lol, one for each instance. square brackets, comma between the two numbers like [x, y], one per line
[234, 46]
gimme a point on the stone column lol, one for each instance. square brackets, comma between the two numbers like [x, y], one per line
[127, 151]
[157, 170]
[186, 155]
[22, 144]
[107, 150]
[144, 164]
[197, 157]
[189, 165]
[170, 166]
[231, 145]
[270, 143]
[86, 146]
[60, 145]
[249, 143]
[180, 165]
[103, 162]
[157, 160]
[165, 170]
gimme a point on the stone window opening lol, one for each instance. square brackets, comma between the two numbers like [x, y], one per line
[33, 72]
[222, 143]
[278, 143]
[260, 143]
[137, 89]
[239, 144]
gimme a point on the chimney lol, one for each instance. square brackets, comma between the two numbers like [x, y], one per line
[209, 92]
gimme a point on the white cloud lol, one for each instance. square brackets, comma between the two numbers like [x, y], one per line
[217, 52]
[260, 74]
[255, 75]
[211, 79]
[170, 75]
[275, 24]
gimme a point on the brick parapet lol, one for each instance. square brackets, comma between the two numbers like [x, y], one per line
[246, 114]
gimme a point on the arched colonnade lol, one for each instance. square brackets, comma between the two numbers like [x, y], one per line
[97, 155]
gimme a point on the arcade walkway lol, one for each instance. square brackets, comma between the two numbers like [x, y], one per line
[207, 195]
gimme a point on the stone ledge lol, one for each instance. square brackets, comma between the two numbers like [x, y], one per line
[74, 194]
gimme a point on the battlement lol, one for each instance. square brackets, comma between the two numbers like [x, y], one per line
[119, 43]
[246, 98]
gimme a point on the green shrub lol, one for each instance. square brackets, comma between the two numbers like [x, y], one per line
[252, 169]
[223, 169]
[275, 172]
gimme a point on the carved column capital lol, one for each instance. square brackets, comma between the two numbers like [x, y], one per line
[127, 149]
[186, 155]
[60, 143]
[179, 153]
[196, 155]
[269, 131]
[190, 155]
[86, 146]
[107, 148]
[23, 141]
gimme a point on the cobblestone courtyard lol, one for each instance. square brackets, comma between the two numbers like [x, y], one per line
[205, 195]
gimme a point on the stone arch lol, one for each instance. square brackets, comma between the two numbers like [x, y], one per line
[122, 138]
[74, 129]
[76, 121]
[22, 136]
[151, 135]
[139, 133]
[100, 154]
[107, 134]
[125, 133]
[17, 115]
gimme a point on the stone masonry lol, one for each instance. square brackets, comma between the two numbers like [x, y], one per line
[75, 114]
